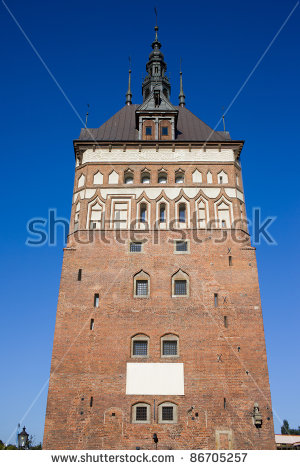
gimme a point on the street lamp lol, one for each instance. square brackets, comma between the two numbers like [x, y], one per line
[23, 439]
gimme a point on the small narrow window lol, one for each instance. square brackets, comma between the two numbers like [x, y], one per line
[181, 245]
[216, 300]
[145, 177]
[148, 130]
[165, 131]
[162, 212]
[143, 212]
[135, 247]
[221, 179]
[156, 69]
[92, 324]
[79, 274]
[230, 260]
[182, 212]
[96, 300]
[223, 223]
[224, 403]
[162, 178]
[225, 321]
[128, 179]
[180, 287]
[91, 402]
[179, 178]
[142, 288]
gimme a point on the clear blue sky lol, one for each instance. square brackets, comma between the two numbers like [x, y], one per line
[86, 46]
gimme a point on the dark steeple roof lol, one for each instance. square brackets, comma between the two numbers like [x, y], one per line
[122, 127]
[156, 101]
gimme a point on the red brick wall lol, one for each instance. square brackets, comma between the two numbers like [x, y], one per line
[93, 363]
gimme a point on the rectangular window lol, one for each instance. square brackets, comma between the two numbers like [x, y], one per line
[148, 130]
[181, 245]
[142, 288]
[135, 247]
[170, 348]
[79, 274]
[165, 131]
[91, 402]
[140, 348]
[216, 300]
[230, 260]
[92, 324]
[180, 288]
[141, 413]
[167, 413]
[96, 300]
[225, 321]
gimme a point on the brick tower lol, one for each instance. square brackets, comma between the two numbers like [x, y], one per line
[159, 326]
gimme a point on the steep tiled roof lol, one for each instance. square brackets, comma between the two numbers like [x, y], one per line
[122, 127]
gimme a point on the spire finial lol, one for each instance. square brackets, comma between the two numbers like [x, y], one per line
[181, 94]
[129, 94]
[156, 27]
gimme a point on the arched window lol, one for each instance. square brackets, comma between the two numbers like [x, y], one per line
[222, 177]
[140, 346]
[145, 178]
[140, 413]
[182, 212]
[128, 177]
[162, 212]
[180, 284]
[81, 181]
[167, 412]
[169, 346]
[162, 177]
[95, 216]
[141, 285]
[209, 177]
[202, 215]
[179, 177]
[76, 217]
[143, 212]
[223, 215]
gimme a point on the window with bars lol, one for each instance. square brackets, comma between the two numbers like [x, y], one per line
[170, 348]
[141, 288]
[181, 245]
[141, 413]
[135, 247]
[140, 348]
[180, 287]
[148, 130]
[165, 131]
[167, 413]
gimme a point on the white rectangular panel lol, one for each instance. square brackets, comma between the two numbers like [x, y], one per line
[154, 379]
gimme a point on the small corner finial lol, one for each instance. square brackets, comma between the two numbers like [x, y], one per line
[223, 118]
[181, 94]
[87, 115]
[129, 94]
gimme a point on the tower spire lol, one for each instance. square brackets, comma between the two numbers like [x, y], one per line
[181, 94]
[129, 94]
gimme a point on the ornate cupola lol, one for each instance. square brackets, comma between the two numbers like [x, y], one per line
[156, 69]
[156, 117]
